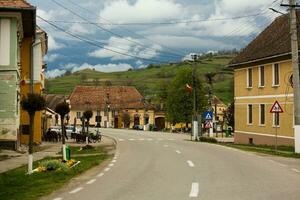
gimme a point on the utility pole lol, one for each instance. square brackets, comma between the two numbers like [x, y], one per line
[295, 64]
[195, 122]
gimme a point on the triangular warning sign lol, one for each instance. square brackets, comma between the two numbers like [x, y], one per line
[276, 108]
[208, 116]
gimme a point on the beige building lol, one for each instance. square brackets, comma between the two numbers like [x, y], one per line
[262, 75]
[113, 107]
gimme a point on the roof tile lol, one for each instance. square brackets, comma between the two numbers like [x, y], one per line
[14, 4]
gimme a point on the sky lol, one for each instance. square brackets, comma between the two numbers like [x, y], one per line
[118, 35]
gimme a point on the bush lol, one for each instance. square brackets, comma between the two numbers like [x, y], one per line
[53, 165]
[208, 139]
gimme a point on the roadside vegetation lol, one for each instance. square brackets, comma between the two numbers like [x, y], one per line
[16, 184]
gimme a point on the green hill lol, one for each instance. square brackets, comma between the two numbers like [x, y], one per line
[148, 80]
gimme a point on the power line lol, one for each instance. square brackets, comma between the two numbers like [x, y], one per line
[94, 44]
[109, 31]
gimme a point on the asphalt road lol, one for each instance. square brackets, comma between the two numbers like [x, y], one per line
[163, 166]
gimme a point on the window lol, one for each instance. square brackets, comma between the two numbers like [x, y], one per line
[262, 114]
[249, 78]
[250, 119]
[276, 120]
[276, 75]
[78, 115]
[5, 42]
[261, 76]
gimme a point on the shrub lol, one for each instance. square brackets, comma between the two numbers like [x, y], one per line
[53, 165]
[208, 139]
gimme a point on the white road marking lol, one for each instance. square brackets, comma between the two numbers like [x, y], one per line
[91, 181]
[114, 160]
[121, 139]
[111, 164]
[194, 190]
[107, 169]
[166, 145]
[190, 163]
[131, 139]
[296, 170]
[101, 174]
[142, 139]
[177, 151]
[76, 190]
[58, 198]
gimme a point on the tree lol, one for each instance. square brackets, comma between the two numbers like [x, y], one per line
[32, 103]
[179, 102]
[88, 114]
[63, 109]
[229, 115]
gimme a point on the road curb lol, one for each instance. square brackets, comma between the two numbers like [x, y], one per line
[112, 138]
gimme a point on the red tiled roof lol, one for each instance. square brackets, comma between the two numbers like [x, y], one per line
[216, 101]
[14, 4]
[118, 97]
[273, 41]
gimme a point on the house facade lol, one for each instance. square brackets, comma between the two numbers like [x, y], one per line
[262, 75]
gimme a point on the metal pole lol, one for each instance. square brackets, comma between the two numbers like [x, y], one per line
[276, 137]
[295, 64]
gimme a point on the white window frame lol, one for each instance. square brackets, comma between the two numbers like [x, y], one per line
[273, 75]
[248, 114]
[248, 86]
[259, 117]
[259, 76]
[5, 37]
[274, 120]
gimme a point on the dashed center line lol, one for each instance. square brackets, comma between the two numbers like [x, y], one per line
[76, 190]
[194, 190]
[101, 174]
[107, 169]
[91, 181]
[190, 163]
[131, 139]
[177, 151]
[296, 170]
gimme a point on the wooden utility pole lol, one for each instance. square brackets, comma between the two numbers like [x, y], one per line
[295, 64]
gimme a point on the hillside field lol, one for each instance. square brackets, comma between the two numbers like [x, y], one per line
[148, 80]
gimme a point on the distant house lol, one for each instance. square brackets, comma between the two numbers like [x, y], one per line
[17, 31]
[113, 106]
[262, 74]
[218, 109]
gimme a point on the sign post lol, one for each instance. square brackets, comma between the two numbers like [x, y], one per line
[276, 109]
[208, 117]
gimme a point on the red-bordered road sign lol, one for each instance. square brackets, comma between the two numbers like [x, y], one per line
[276, 108]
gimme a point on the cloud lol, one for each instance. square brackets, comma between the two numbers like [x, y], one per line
[53, 45]
[104, 68]
[52, 57]
[126, 46]
[80, 29]
[54, 73]
[140, 11]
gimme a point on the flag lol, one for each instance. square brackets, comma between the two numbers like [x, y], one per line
[188, 88]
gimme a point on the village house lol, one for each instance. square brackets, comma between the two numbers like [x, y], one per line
[262, 75]
[22, 46]
[113, 107]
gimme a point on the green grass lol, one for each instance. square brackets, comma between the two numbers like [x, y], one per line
[75, 150]
[16, 184]
[147, 80]
[284, 151]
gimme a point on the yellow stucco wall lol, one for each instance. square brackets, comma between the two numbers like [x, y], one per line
[264, 95]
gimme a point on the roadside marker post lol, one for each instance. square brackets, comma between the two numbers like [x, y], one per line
[276, 109]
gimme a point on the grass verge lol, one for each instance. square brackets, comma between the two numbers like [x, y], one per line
[284, 151]
[16, 184]
[77, 150]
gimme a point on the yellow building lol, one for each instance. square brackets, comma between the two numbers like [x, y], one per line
[32, 65]
[262, 74]
[218, 109]
[111, 105]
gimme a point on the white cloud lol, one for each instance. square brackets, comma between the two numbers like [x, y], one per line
[52, 57]
[53, 45]
[69, 66]
[104, 68]
[55, 73]
[126, 46]
[79, 29]
[140, 11]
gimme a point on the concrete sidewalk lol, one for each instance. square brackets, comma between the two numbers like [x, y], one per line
[48, 149]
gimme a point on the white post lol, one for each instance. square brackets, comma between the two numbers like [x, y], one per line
[64, 152]
[211, 132]
[297, 138]
[86, 140]
[30, 161]
[195, 130]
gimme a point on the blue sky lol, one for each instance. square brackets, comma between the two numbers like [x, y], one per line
[134, 33]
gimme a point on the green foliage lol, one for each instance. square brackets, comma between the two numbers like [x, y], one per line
[88, 114]
[33, 102]
[179, 102]
[229, 115]
[62, 109]
[208, 139]
[51, 165]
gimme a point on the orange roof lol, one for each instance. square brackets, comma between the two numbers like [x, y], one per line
[117, 97]
[14, 4]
